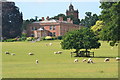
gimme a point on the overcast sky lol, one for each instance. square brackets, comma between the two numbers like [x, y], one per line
[31, 9]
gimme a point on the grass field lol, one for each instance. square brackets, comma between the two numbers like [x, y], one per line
[53, 65]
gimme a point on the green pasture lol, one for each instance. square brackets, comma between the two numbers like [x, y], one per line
[53, 65]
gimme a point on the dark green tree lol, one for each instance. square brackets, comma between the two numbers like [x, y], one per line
[80, 39]
[11, 20]
[89, 20]
[111, 17]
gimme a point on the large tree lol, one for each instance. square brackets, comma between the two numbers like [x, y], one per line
[11, 20]
[111, 17]
[89, 20]
[80, 39]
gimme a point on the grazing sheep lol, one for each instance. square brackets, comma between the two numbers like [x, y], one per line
[106, 60]
[55, 52]
[36, 61]
[76, 60]
[117, 59]
[30, 53]
[59, 52]
[7, 52]
[84, 60]
[50, 44]
[90, 61]
[13, 54]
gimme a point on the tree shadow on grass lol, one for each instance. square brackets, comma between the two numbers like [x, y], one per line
[103, 57]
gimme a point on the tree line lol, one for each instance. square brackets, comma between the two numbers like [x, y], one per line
[105, 26]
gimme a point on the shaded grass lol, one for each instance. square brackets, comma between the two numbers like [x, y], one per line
[56, 66]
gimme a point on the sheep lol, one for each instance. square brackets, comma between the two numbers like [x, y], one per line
[36, 61]
[30, 53]
[76, 60]
[59, 52]
[50, 44]
[13, 54]
[106, 60]
[7, 52]
[84, 60]
[90, 61]
[55, 52]
[117, 59]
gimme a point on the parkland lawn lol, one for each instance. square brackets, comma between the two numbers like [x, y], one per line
[53, 65]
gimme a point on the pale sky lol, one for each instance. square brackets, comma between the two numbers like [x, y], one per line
[44, 9]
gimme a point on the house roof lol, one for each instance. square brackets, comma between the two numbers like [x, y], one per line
[53, 21]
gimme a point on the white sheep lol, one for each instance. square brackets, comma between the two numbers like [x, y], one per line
[55, 52]
[117, 59]
[30, 53]
[106, 60]
[84, 60]
[7, 52]
[36, 61]
[50, 44]
[59, 52]
[90, 61]
[76, 60]
[13, 54]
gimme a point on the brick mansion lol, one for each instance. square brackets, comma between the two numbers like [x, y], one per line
[53, 27]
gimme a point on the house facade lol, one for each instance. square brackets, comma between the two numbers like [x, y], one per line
[51, 28]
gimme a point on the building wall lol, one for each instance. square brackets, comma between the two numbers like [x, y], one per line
[66, 27]
[52, 27]
[31, 27]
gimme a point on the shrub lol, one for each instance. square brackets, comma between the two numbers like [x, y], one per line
[10, 40]
[30, 39]
[59, 37]
[48, 38]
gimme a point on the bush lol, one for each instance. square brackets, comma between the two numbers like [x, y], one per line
[30, 39]
[48, 38]
[9, 40]
[59, 37]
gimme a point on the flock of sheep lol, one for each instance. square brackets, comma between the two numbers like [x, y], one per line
[60, 52]
[91, 61]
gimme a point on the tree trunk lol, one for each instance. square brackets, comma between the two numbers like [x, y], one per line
[77, 54]
[86, 52]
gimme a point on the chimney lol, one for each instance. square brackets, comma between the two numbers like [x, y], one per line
[68, 20]
[71, 21]
[47, 18]
[60, 19]
[43, 19]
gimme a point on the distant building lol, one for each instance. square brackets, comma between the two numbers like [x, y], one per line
[72, 12]
[53, 27]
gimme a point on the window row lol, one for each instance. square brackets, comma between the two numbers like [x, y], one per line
[52, 27]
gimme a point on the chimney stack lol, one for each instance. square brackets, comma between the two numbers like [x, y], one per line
[43, 19]
[60, 19]
[69, 20]
[47, 18]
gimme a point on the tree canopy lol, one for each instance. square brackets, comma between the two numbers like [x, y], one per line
[97, 28]
[111, 16]
[89, 20]
[11, 20]
[80, 39]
